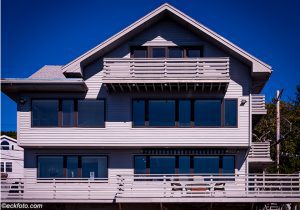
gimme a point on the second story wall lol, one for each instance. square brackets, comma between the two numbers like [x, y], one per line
[118, 129]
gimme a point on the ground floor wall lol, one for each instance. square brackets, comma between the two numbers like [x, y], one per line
[121, 161]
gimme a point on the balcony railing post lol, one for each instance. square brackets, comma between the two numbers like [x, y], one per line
[54, 189]
[89, 189]
[165, 68]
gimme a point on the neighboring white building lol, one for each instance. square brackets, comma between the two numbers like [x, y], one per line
[12, 158]
[162, 112]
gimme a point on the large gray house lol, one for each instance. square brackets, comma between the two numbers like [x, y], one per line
[160, 113]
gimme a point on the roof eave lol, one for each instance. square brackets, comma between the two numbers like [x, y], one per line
[13, 87]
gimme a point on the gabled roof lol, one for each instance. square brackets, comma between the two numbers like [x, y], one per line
[8, 138]
[75, 66]
[51, 72]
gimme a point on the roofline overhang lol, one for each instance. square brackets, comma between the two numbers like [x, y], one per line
[12, 87]
[75, 66]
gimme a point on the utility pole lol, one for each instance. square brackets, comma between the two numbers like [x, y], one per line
[278, 95]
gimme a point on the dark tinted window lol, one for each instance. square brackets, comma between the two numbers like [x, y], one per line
[72, 166]
[184, 112]
[162, 165]
[161, 112]
[4, 145]
[139, 52]
[193, 53]
[44, 113]
[208, 112]
[67, 113]
[175, 52]
[138, 112]
[230, 112]
[140, 164]
[50, 166]
[94, 167]
[228, 164]
[91, 113]
[158, 52]
[8, 166]
[2, 167]
[206, 164]
[184, 165]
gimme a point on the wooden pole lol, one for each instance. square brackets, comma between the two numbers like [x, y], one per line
[278, 128]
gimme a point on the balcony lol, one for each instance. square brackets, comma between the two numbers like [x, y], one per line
[153, 74]
[258, 104]
[156, 188]
[259, 155]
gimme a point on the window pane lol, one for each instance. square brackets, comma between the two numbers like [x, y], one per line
[9, 167]
[139, 53]
[140, 165]
[72, 166]
[50, 167]
[206, 164]
[4, 145]
[138, 109]
[94, 167]
[230, 112]
[193, 53]
[162, 165]
[184, 165]
[68, 113]
[228, 164]
[161, 112]
[44, 113]
[2, 167]
[158, 52]
[184, 112]
[208, 112]
[91, 113]
[175, 52]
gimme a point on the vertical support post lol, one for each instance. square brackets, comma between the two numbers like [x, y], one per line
[278, 128]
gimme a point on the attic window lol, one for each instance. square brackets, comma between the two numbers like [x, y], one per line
[139, 52]
[4, 145]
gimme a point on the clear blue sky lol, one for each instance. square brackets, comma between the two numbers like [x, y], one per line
[39, 32]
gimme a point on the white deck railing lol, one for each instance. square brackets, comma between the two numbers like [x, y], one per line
[155, 69]
[122, 188]
[171, 186]
[260, 150]
[258, 104]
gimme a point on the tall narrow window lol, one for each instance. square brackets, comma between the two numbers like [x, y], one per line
[184, 165]
[140, 165]
[50, 166]
[72, 166]
[184, 113]
[158, 52]
[2, 166]
[139, 52]
[67, 113]
[208, 113]
[228, 165]
[175, 52]
[44, 113]
[94, 167]
[193, 52]
[162, 112]
[162, 165]
[91, 113]
[230, 112]
[138, 112]
[206, 164]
